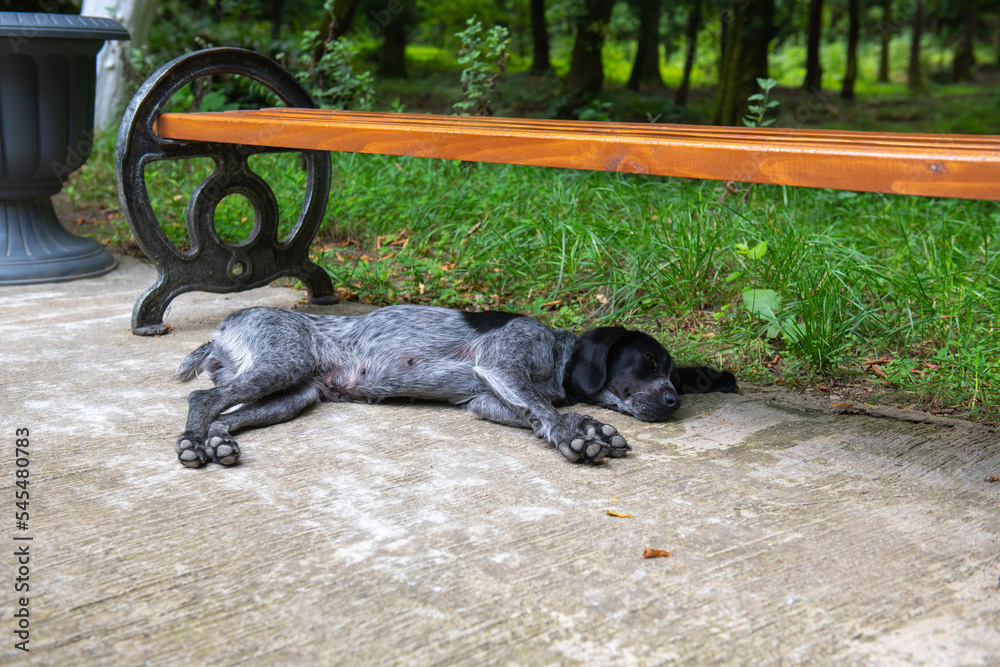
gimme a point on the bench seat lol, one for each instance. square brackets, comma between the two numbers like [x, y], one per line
[964, 166]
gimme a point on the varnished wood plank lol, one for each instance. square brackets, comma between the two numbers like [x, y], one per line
[904, 163]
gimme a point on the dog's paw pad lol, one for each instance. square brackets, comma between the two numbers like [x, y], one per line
[584, 450]
[227, 455]
[595, 452]
[603, 440]
[189, 452]
[190, 458]
[567, 451]
[587, 440]
[619, 447]
[223, 450]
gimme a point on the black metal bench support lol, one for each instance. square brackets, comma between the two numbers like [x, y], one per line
[211, 264]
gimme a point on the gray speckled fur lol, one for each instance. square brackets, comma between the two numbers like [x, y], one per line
[268, 364]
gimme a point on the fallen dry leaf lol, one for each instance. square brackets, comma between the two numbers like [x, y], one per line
[618, 514]
[656, 553]
[842, 405]
[993, 478]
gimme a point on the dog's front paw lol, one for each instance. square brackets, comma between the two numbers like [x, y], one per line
[592, 441]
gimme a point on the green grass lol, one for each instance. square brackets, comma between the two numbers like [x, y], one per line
[913, 282]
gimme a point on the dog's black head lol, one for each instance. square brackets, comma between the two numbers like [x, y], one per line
[630, 372]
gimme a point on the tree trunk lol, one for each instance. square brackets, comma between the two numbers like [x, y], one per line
[814, 71]
[112, 60]
[885, 28]
[540, 37]
[854, 28]
[915, 76]
[965, 56]
[277, 11]
[693, 24]
[744, 59]
[646, 68]
[586, 70]
[392, 59]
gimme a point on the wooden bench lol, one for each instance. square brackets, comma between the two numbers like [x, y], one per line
[911, 164]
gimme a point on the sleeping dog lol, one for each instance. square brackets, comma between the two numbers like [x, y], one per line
[268, 364]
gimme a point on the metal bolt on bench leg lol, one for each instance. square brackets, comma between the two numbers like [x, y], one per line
[211, 264]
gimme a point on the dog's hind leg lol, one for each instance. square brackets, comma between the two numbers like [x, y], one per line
[272, 409]
[204, 406]
[252, 358]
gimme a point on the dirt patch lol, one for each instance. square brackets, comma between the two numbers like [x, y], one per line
[100, 222]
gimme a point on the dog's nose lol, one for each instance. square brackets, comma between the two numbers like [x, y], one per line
[670, 401]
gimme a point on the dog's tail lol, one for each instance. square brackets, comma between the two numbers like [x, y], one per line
[194, 363]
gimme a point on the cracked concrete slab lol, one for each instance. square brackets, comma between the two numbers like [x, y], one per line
[416, 535]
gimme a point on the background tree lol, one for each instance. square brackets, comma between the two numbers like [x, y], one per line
[853, 31]
[569, 34]
[744, 58]
[915, 75]
[965, 56]
[586, 69]
[691, 35]
[539, 38]
[395, 18]
[814, 34]
[646, 67]
[885, 29]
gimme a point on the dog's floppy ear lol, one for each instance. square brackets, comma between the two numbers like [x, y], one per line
[702, 380]
[589, 363]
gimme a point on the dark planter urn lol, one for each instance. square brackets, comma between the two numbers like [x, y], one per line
[47, 78]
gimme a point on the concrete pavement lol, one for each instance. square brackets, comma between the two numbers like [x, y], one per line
[416, 535]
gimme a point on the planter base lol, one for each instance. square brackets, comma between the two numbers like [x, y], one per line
[35, 248]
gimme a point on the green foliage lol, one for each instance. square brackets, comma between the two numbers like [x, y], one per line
[484, 58]
[331, 79]
[597, 109]
[757, 111]
[140, 66]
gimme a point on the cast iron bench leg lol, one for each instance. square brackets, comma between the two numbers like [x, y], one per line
[211, 264]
